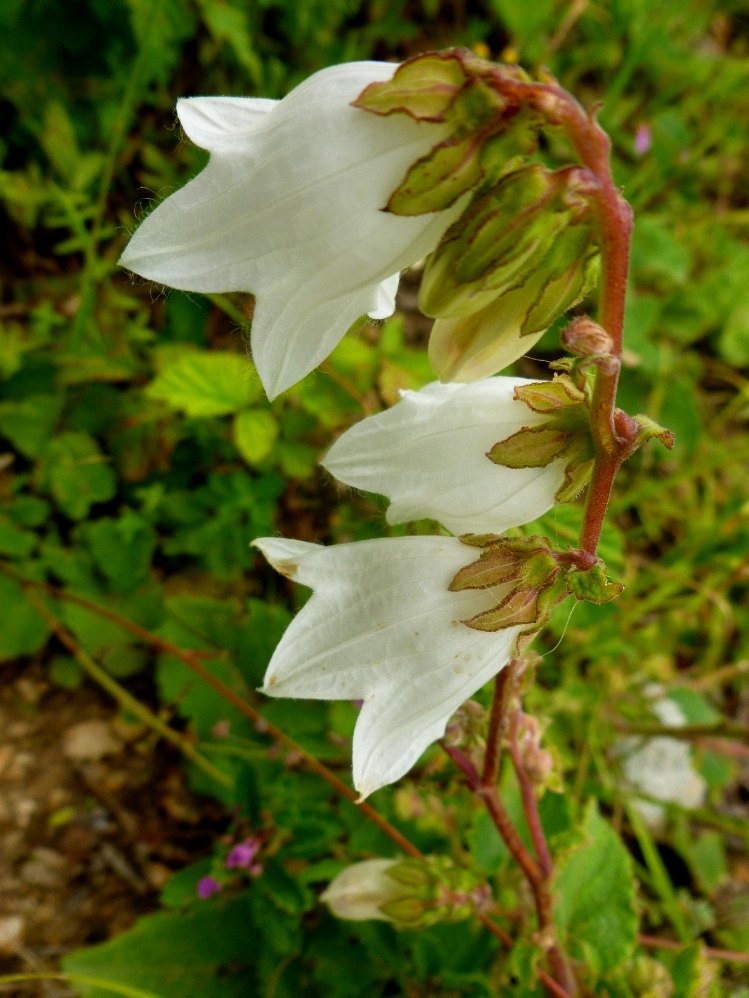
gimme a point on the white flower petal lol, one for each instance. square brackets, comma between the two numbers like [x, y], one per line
[289, 208]
[358, 892]
[382, 626]
[428, 455]
[384, 305]
[222, 124]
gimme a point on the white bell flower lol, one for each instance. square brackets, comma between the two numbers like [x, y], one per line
[381, 626]
[428, 456]
[663, 768]
[289, 208]
[359, 891]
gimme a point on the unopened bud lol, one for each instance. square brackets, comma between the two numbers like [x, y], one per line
[585, 338]
[411, 893]
[501, 238]
[359, 891]
[478, 345]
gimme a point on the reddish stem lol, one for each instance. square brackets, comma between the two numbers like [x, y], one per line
[613, 438]
[565, 983]
[504, 684]
[530, 801]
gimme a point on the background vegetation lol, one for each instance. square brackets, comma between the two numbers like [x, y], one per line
[139, 459]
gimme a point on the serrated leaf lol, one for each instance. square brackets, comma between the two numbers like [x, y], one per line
[437, 180]
[423, 87]
[593, 585]
[595, 897]
[255, 432]
[208, 384]
[531, 447]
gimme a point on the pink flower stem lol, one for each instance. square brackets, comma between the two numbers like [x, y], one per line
[530, 801]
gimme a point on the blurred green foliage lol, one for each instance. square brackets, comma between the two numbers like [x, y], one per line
[140, 458]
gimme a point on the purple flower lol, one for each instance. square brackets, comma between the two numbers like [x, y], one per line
[643, 139]
[243, 854]
[207, 887]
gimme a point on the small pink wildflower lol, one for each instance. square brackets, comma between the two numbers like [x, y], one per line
[242, 855]
[207, 887]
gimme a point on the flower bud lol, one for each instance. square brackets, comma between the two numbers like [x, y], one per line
[520, 255]
[411, 893]
[586, 338]
[496, 242]
[359, 891]
[478, 345]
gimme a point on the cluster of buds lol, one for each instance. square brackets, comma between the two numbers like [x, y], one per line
[410, 893]
[524, 248]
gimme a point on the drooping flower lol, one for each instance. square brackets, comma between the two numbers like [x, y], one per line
[289, 208]
[428, 455]
[359, 891]
[663, 767]
[382, 626]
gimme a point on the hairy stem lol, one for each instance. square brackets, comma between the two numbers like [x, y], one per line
[538, 880]
[530, 801]
[504, 684]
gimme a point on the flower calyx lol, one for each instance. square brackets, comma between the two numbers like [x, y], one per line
[434, 890]
[459, 89]
[590, 344]
[564, 435]
[532, 221]
[537, 577]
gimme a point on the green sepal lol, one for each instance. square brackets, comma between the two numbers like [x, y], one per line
[437, 180]
[503, 563]
[576, 477]
[423, 87]
[593, 585]
[479, 540]
[493, 568]
[531, 447]
[475, 107]
[550, 396]
[648, 429]
[571, 267]
[520, 607]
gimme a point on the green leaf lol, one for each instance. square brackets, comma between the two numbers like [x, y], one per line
[29, 424]
[595, 891]
[23, 631]
[15, 542]
[255, 433]
[437, 180]
[75, 472]
[122, 549]
[201, 953]
[423, 87]
[208, 384]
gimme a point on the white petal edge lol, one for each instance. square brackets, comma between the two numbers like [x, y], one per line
[427, 454]
[382, 626]
[220, 124]
[290, 209]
